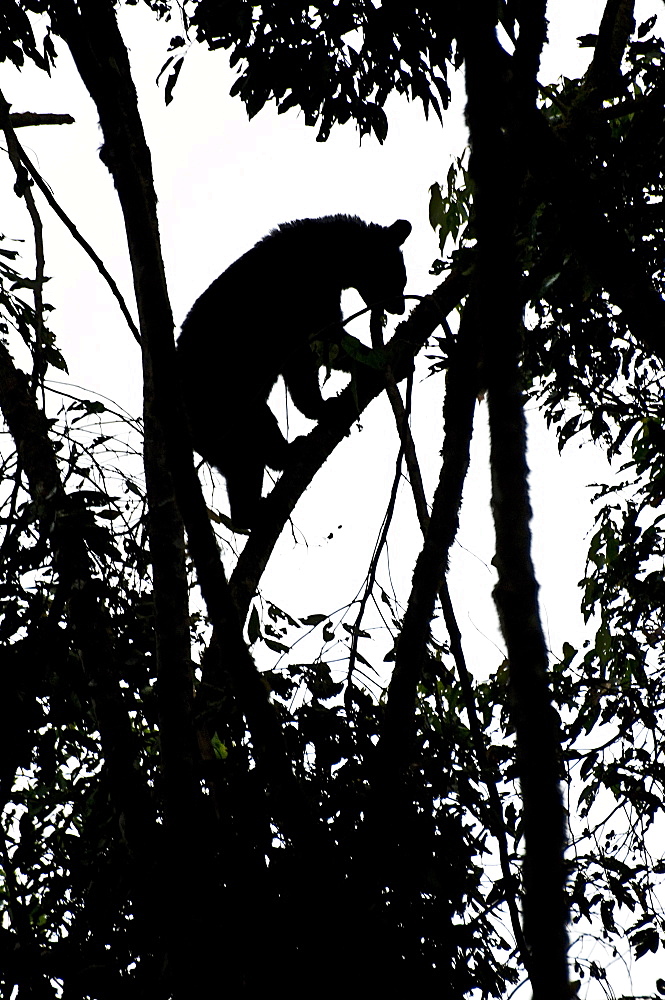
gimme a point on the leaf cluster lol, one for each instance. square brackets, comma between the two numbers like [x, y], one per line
[337, 62]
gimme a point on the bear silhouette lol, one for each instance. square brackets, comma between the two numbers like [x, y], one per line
[257, 321]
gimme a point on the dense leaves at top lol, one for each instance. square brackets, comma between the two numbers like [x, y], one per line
[17, 39]
[338, 62]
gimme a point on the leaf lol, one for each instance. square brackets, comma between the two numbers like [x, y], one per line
[379, 123]
[314, 619]
[253, 626]
[90, 406]
[276, 614]
[172, 80]
[219, 748]
[588, 764]
[437, 212]
[278, 647]
[353, 630]
[568, 653]
[645, 940]
[646, 26]
[607, 914]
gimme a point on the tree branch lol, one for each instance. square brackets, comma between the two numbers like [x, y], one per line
[20, 119]
[499, 141]
[22, 188]
[64, 520]
[341, 414]
[23, 158]
[101, 57]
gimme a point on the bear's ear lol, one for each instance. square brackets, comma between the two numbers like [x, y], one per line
[399, 231]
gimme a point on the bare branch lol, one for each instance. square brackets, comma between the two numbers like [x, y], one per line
[19, 119]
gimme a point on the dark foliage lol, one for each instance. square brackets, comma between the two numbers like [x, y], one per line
[173, 820]
[338, 62]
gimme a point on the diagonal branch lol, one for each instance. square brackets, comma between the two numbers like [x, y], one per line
[80, 239]
[497, 822]
[341, 414]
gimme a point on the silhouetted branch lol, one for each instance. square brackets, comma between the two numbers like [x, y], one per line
[22, 188]
[500, 141]
[20, 119]
[341, 414]
[101, 57]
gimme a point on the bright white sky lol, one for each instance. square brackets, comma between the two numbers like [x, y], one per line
[223, 183]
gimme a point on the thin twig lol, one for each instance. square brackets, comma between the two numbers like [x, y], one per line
[456, 648]
[62, 215]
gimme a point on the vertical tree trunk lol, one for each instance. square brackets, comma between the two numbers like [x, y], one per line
[501, 95]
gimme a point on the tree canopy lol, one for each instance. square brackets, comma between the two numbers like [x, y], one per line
[178, 810]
